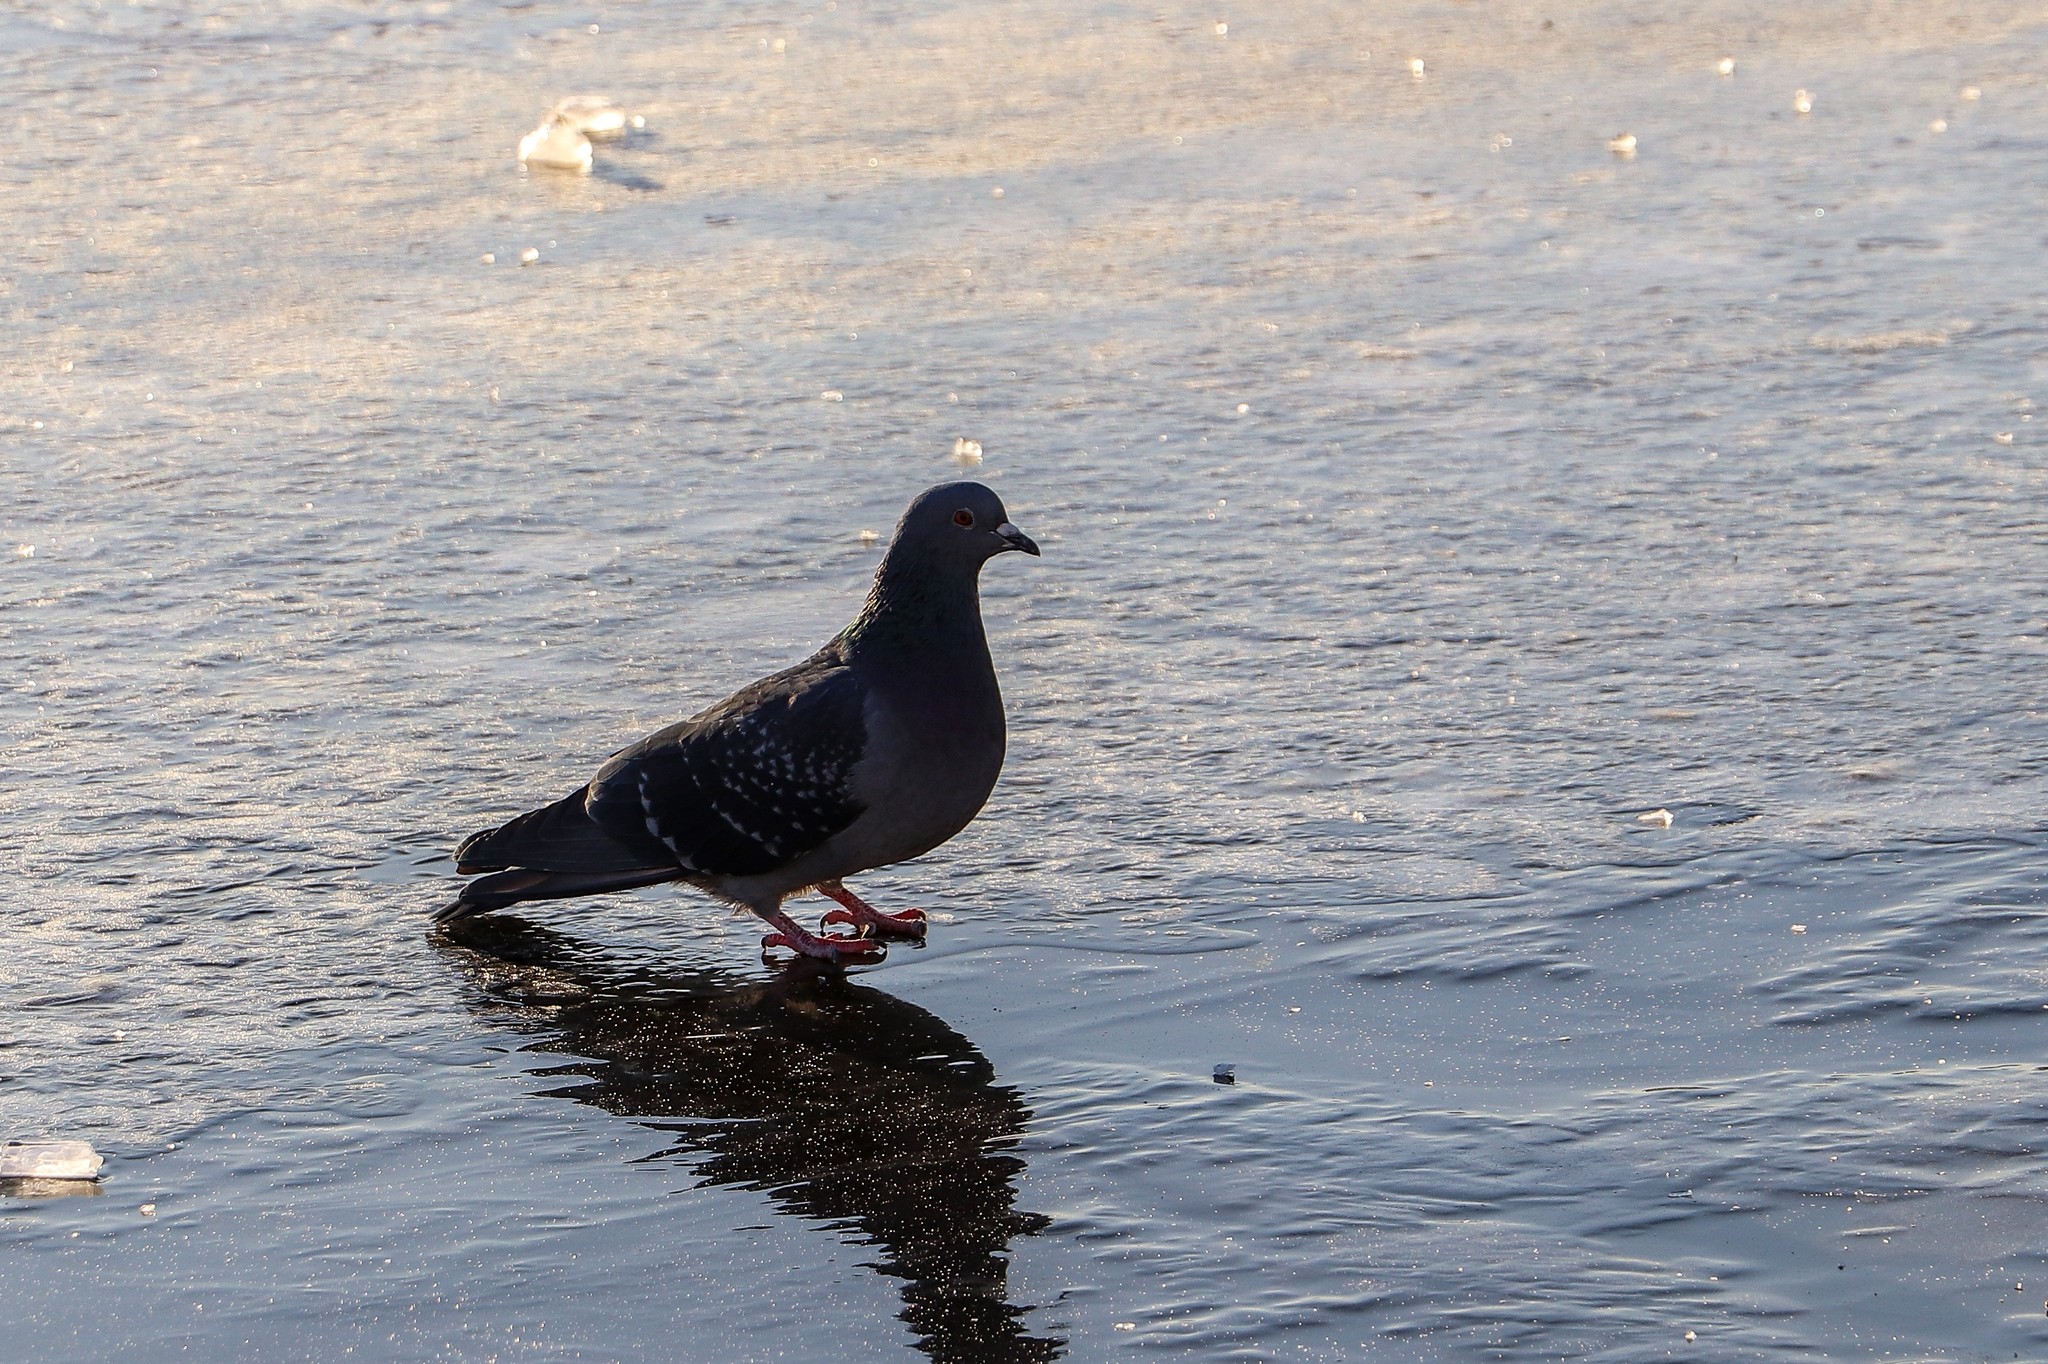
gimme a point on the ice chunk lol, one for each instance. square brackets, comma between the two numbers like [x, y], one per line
[592, 115]
[49, 1160]
[558, 144]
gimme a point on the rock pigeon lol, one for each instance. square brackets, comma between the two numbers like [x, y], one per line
[876, 749]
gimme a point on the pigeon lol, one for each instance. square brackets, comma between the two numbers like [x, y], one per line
[874, 750]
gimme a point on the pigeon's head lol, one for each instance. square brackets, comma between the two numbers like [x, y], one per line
[960, 523]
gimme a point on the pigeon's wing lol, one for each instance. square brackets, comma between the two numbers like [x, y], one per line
[759, 779]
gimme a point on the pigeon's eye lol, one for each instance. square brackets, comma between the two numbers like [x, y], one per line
[963, 517]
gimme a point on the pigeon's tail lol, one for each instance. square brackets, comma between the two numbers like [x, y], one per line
[500, 889]
[549, 854]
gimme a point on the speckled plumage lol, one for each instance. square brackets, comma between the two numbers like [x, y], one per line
[877, 748]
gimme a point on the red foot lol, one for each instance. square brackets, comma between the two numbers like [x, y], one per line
[868, 920]
[834, 950]
[824, 948]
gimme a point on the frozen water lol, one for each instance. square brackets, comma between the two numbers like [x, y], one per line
[1426, 496]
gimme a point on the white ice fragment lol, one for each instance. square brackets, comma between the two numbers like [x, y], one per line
[1222, 29]
[490, 258]
[529, 255]
[556, 144]
[1243, 409]
[25, 551]
[1692, 1335]
[2003, 438]
[1660, 818]
[1940, 125]
[996, 193]
[591, 115]
[967, 452]
[1802, 100]
[1123, 1326]
[1726, 66]
[147, 1209]
[832, 395]
[1625, 145]
[1416, 68]
[1799, 928]
[1971, 92]
[639, 121]
[49, 1160]
[868, 537]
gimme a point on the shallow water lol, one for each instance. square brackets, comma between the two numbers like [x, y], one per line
[1426, 493]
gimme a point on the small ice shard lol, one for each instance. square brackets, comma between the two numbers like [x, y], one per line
[869, 537]
[556, 144]
[1625, 145]
[1940, 125]
[49, 1160]
[529, 255]
[2003, 438]
[1222, 29]
[490, 258]
[832, 395]
[1799, 928]
[1660, 818]
[1802, 100]
[1224, 1075]
[1691, 1336]
[1726, 66]
[147, 1210]
[1416, 68]
[592, 115]
[1971, 92]
[967, 452]
[1244, 409]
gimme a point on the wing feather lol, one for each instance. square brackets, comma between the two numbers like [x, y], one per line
[750, 784]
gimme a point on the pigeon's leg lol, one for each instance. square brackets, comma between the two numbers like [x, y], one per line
[866, 919]
[824, 948]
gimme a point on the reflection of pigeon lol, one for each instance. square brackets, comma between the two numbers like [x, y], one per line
[877, 748]
[850, 1109]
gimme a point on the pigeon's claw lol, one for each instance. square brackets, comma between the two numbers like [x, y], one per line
[827, 948]
[910, 923]
[869, 921]
[834, 951]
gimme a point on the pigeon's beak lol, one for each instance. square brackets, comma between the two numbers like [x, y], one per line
[1013, 538]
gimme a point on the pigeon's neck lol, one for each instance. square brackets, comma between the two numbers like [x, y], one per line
[930, 608]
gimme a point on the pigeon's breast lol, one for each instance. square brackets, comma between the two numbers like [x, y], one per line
[932, 758]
